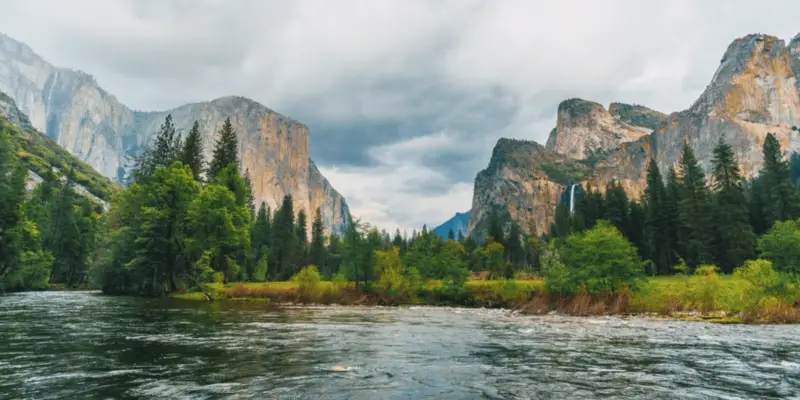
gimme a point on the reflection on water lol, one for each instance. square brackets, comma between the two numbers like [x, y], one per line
[83, 345]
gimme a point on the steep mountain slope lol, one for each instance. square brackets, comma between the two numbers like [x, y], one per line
[40, 154]
[93, 125]
[755, 91]
[458, 224]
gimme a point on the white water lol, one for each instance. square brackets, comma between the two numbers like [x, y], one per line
[572, 198]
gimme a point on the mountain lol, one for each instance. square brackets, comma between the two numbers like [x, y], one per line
[755, 91]
[40, 154]
[458, 224]
[72, 108]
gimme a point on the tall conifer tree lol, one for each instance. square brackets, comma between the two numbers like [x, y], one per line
[695, 214]
[656, 220]
[225, 150]
[192, 151]
[734, 238]
[780, 198]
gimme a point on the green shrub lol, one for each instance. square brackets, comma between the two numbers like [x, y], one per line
[704, 291]
[260, 270]
[308, 280]
[781, 245]
[600, 259]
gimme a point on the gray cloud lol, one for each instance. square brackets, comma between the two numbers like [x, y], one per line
[404, 98]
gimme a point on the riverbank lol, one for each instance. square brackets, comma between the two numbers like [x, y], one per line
[721, 299]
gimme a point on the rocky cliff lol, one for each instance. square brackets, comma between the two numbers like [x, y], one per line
[755, 91]
[585, 128]
[41, 154]
[70, 107]
[516, 186]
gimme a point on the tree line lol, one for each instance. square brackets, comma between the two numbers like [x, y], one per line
[686, 220]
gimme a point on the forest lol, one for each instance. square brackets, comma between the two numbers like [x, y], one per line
[183, 224]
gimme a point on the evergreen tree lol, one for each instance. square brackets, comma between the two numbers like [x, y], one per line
[757, 205]
[260, 236]
[166, 147]
[656, 229]
[695, 213]
[460, 237]
[514, 249]
[250, 199]
[282, 257]
[794, 165]
[12, 192]
[451, 235]
[617, 207]
[317, 249]
[225, 150]
[636, 232]
[671, 215]
[780, 197]
[192, 151]
[734, 238]
[301, 235]
[561, 226]
[495, 231]
[399, 242]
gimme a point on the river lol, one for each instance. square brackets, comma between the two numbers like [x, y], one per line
[84, 346]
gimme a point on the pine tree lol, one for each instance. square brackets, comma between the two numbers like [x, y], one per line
[317, 249]
[561, 226]
[192, 151]
[250, 199]
[757, 205]
[282, 256]
[166, 145]
[495, 231]
[695, 214]
[656, 229]
[515, 253]
[260, 235]
[780, 197]
[734, 238]
[301, 236]
[671, 215]
[12, 192]
[225, 150]
[617, 207]
[636, 222]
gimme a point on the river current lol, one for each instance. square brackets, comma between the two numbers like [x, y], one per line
[81, 345]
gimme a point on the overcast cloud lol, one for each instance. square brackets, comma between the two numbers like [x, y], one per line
[404, 98]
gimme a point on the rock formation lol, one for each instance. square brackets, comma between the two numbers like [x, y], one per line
[755, 91]
[585, 128]
[70, 107]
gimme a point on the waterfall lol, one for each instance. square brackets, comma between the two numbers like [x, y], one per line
[572, 198]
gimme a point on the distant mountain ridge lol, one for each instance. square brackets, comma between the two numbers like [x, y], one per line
[755, 91]
[458, 224]
[72, 108]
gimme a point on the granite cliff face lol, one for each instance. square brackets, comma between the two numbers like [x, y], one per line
[585, 128]
[755, 91]
[70, 107]
[515, 186]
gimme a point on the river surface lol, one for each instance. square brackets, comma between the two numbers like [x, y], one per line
[84, 346]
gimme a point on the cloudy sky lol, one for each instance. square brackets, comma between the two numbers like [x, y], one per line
[404, 98]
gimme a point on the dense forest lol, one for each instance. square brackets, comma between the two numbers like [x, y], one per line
[183, 222]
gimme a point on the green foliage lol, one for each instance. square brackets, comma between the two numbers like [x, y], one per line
[599, 260]
[781, 245]
[191, 154]
[225, 150]
[260, 270]
[566, 172]
[779, 198]
[694, 212]
[308, 280]
[392, 284]
[734, 240]
[704, 293]
[656, 220]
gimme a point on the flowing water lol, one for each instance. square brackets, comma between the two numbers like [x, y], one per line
[84, 346]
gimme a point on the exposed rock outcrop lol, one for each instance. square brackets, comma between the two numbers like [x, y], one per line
[585, 128]
[515, 186]
[78, 114]
[755, 91]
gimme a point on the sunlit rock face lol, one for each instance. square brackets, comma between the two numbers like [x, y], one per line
[584, 128]
[73, 109]
[516, 188]
[753, 92]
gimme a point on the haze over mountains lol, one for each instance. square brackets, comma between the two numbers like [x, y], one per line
[73, 109]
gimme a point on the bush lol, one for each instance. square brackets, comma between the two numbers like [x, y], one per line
[704, 291]
[391, 285]
[781, 245]
[308, 280]
[600, 260]
[260, 270]
[769, 292]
